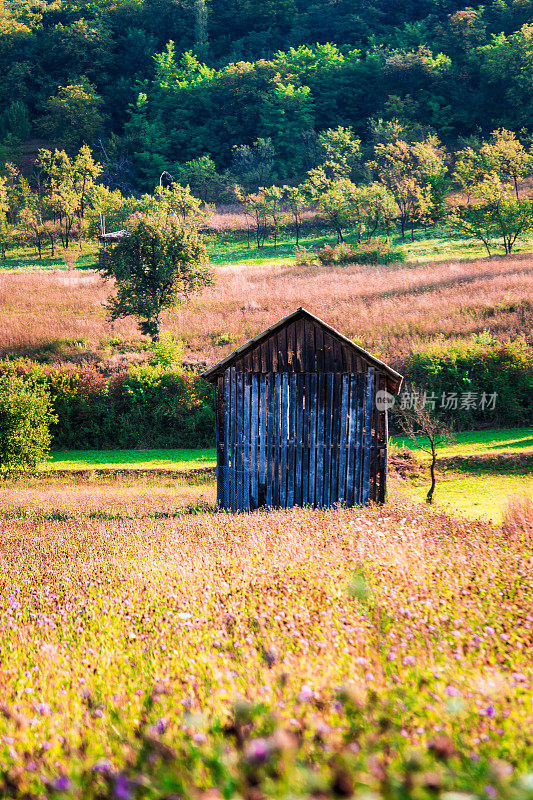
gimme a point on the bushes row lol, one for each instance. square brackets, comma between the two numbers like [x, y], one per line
[476, 383]
[371, 252]
[147, 407]
[158, 406]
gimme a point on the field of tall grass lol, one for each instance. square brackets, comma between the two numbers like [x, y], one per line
[388, 309]
[378, 653]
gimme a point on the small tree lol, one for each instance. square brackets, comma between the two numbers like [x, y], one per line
[25, 419]
[273, 196]
[157, 266]
[420, 420]
[494, 212]
[296, 199]
[337, 203]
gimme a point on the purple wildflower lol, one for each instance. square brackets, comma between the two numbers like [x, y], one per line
[61, 784]
[122, 788]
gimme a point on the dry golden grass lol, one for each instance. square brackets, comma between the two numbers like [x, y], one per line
[388, 309]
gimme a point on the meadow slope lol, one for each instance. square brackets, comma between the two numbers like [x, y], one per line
[418, 302]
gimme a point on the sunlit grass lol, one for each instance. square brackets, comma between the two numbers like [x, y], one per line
[478, 496]
[474, 443]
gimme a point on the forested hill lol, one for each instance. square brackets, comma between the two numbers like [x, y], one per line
[151, 84]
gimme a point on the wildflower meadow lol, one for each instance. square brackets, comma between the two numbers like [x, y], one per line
[376, 653]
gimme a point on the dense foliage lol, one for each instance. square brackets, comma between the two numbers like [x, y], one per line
[153, 85]
[150, 406]
[25, 419]
[160, 404]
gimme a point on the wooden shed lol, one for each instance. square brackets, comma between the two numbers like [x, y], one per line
[297, 422]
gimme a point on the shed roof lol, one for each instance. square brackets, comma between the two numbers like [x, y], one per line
[394, 378]
[113, 236]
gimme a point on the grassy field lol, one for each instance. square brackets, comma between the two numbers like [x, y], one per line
[62, 314]
[467, 443]
[377, 653]
[230, 247]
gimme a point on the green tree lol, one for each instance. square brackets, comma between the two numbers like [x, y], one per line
[375, 208]
[407, 170]
[25, 419]
[296, 200]
[67, 184]
[337, 203]
[201, 175]
[494, 212]
[340, 154]
[273, 200]
[502, 155]
[157, 266]
[74, 115]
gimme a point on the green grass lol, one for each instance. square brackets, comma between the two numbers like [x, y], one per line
[26, 259]
[481, 496]
[490, 442]
[436, 244]
[475, 443]
[182, 460]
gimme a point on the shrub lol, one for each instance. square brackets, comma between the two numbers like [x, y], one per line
[25, 418]
[303, 257]
[149, 406]
[372, 252]
[481, 365]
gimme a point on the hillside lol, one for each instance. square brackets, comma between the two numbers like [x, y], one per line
[151, 85]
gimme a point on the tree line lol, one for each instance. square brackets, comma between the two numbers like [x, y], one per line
[401, 183]
[154, 84]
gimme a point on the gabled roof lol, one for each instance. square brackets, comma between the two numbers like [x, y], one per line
[395, 379]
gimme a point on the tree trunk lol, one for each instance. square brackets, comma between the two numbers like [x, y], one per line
[429, 496]
[297, 233]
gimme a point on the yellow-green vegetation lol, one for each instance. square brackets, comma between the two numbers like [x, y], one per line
[476, 495]
[379, 653]
[179, 460]
[475, 443]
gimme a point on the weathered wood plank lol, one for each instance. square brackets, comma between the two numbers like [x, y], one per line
[291, 347]
[254, 440]
[335, 421]
[233, 484]
[276, 439]
[239, 441]
[327, 439]
[226, 503]
[309, 347]
[351, 493]
[343, 438]
[292, 439]
[300, 344]
[299, 440]
[282, 350]
[319, 344]
[246, 442]
[284, 408]
[313, 399]
[263, 438]
[270, 439]
[369, 407]
[361, 391]
[305, 440]
[320, 449]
